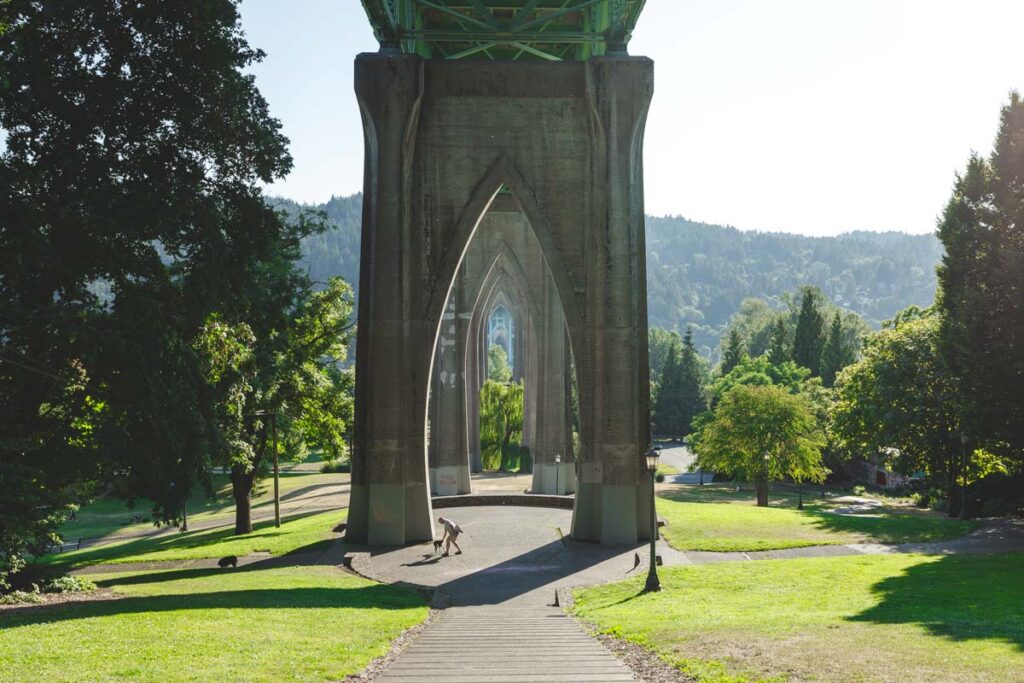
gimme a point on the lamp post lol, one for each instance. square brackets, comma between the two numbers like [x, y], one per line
[558, 460]
[653, 584]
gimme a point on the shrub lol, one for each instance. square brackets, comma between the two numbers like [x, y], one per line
[22, 597]
[659, 477]
[336, 466]
[859, 490]
[68, 584]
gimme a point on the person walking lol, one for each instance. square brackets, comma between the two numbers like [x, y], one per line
[451, 532]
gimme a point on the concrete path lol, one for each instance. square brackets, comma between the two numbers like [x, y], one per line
[505, 643]
[679, 456]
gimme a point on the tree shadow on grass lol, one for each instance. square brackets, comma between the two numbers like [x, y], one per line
[376, 597]
[150, 544]
[960, 597]
[884, 526]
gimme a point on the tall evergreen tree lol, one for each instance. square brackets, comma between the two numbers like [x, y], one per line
[837, 354]
[734, 352]
[980, 283]
[668, 417]
[809, 338]
[779, 350]
[693, 385]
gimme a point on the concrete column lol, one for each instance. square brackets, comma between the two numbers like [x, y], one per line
[612, 501]
[552, 409]
[390, 504]
[449, 471]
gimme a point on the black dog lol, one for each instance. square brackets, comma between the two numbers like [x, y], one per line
[437, 546]
[229, 561]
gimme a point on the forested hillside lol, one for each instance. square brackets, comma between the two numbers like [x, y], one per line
[697, 274]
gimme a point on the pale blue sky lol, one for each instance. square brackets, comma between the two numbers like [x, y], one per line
[811, 116]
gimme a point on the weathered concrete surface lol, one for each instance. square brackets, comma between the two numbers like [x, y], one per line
[505, 644]
[441, 138]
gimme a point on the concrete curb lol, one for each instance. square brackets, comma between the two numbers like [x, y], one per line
[516, 499]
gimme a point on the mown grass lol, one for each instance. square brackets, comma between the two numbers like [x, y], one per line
[293, 623]
[295, 534]
[717, 518]
[109, 516]
[860, 618]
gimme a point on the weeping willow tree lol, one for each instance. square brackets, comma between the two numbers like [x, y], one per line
[501, 426]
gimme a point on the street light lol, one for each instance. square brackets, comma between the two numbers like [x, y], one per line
[558, 459]
[652, 585]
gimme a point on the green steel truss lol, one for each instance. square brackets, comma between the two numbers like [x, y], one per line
[504, 29]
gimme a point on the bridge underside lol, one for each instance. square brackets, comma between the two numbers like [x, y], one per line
[442, 137]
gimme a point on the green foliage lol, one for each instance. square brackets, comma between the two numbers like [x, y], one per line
[69, 584]
[761, 434]
[292, 369]
[136, 148]
[659, 345]
[779, 347]
[501, 425]
[837, 354]
[698, 275]
[981, 279]
[760, 372]
[681, 394]
[498, 369]
[809, 338]
[897, 401]
[734, 353]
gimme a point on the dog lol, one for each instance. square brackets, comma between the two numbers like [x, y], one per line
[437, 546]
[229, 561]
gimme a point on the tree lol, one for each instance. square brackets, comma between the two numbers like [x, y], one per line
[659, 343]
[980, 283]
[668, 417]
[291, 370]
[809, 337]
[760, 372]
[779, 348]
[734, 352]
[695, 376]
[130, 210]
[497, 365]
[898, 402]
[761, 434]
[836, 355]
[501, 423]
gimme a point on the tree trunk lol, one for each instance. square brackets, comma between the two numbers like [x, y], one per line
[761, 485]
[241, 488]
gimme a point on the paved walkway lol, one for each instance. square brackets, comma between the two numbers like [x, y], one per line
[505, 643]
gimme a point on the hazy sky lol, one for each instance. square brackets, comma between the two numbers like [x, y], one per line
[811, 116]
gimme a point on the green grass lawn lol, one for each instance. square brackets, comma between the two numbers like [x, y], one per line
[293, 623]
[109, 516]
[860, 618]
[716, 518]
[296, 534]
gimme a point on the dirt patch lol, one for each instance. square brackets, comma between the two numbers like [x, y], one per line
[56, 599]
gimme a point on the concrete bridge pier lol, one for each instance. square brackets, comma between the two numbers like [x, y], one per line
[442, 138]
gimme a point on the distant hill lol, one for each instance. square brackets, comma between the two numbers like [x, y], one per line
[697, 274]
